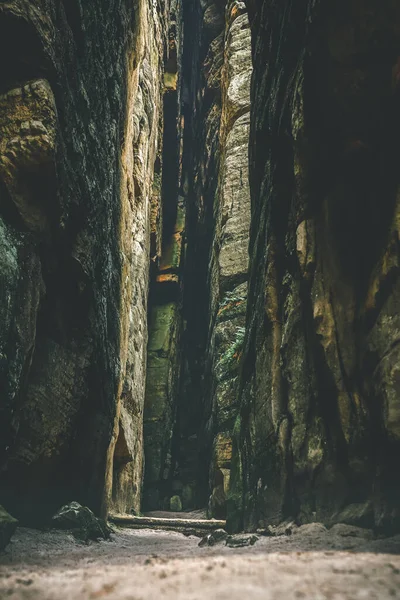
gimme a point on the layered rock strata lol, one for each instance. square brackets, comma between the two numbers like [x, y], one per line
[80, 119]
[229, 258]
[217, 80]
[319, 427]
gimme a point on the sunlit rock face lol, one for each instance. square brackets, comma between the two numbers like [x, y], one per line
[229, 257]
[216, 77]
[319, 426]
[80, 118]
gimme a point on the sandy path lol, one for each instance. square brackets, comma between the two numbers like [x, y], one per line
[152, 565]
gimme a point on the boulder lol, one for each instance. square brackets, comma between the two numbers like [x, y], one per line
[285, 528]
[240, 541]
[232, 541]
[212, 539]
[344, 530]
[311, 529]
[175, 504]
[81, 521]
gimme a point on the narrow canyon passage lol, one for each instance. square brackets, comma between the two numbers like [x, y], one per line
[198, 287]
[199, 297]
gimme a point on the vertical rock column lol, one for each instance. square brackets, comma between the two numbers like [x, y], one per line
[229, 262]
[63, 114]
[319, 422]
[155, 108]
[80, 118]
[217, 82]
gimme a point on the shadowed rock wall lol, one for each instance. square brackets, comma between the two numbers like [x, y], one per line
[319, 428]
[80, 99]
[165, 320]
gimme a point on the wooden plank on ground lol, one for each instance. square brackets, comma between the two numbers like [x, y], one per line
[164, 523]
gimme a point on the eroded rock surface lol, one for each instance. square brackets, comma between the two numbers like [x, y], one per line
[216, 77]
[319, 423]
[80, 119]
[81, 521]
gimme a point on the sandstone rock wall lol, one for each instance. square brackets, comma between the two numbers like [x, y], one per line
[318, 431]
[215, 171]
[80, 120]
[229, 259]
[141, 156]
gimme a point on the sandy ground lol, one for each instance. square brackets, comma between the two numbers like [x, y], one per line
[151, 565]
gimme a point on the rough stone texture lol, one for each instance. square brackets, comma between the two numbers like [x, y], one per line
[27, 150]
[81, 521]
[218, 536]
[319, 423]
[144, 120]
[80, 113]
[218, 70]
[230, 245]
